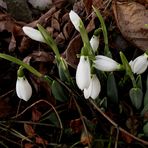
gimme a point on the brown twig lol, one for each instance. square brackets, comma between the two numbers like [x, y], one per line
[82, 119]
[116, 125]
[58, 117]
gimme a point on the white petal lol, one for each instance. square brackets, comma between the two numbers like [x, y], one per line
[94, 42]
[104, 63]
[83, 73]
[34, 34]
[75, 19]
[140, 64]
[87, 91]
[94, 88]
[23, 88]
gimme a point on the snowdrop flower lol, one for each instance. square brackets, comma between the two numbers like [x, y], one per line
[83, 73]
[140, 64]
[94, 88]
[23, 88]
[34, 34]
[104, 63]
[94, 42]
[75, 19]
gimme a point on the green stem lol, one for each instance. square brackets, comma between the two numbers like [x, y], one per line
[106, 48]
[49, 40]
[21, 63]
[87, 47]
[128, 69]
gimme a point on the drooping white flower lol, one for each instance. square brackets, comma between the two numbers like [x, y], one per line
[94, 42]
[34, 34]
[23, 88]
[75, 19]
[104, 63]
[83, 73]
[94, 88]
[140, 64]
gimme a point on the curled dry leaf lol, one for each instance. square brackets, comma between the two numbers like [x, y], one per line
[131, 18]
[9, 30]
[36, 115]
[29, 130]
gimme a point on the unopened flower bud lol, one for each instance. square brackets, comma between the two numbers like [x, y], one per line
[104, 63]
[34, 34]
[83, 73]
[139, 65]
[23, 88]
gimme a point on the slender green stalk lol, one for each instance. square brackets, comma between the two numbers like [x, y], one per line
[49, 40]
[106, 48]
[128, 69]
[21, 63]
[87, 47]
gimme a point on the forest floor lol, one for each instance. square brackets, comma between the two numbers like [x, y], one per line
[57, 115]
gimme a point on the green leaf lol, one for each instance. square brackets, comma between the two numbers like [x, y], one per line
[105, 35]
[145, 129]
[63, 71]
[49, 40]
[112, 91]
[127, 68]
[145, 109]
[58, 92]
[21, 63]
[139, 82]
[136, 96]
[146, 94]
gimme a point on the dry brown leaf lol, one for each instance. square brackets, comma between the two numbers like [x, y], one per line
[29, 130]
[131, 19]
[98, 3]
[126, 137]
[72, 50]
[40, 140]
[28, 145]
[88, 6]
[36, 115]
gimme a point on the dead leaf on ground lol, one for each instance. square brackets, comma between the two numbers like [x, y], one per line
[11, 28]
[28, 145]
[29, 130]
[40, 140]
[36, 115]
[131, 18]
[126, 137]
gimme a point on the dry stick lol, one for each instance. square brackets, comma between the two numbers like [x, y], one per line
[81, 117]
[9, 140]
[7, 93]
[60, 122]
[116, 125]
[18, 108]
[117, 137]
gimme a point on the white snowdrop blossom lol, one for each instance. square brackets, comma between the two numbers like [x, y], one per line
[104, 63]
[83, 75]
[94, 42]
[94, 88]
[75, 19]
[23, 88]
[140, 64]
[34, 34]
